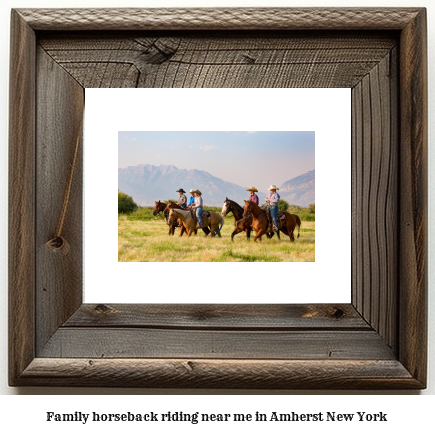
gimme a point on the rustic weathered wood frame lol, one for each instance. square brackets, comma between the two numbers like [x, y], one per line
[377, 341]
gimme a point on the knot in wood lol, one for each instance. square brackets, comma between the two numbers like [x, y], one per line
[338, 313]
[58, 244]
[103, 309]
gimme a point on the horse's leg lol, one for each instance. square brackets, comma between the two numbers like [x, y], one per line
[183, 229]
[291, 229]
[288, 232]
[170, 230]
[277, 234]
[262, 232]
[236, 231]
[284, 231]
[258, 235]
[248, 230]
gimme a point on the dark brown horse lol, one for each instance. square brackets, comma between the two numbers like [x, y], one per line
[260, 221]
[240, 223]
[173, 205]
[160, 207]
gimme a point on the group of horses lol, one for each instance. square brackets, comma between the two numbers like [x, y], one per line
[247, 219]
[176, 217]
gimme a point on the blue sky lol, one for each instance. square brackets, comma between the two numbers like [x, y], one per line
[258, 158]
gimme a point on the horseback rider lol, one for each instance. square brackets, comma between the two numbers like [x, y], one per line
[192, 199]
[253, 197]
[272, 200]
[182, 201]
[198, 207]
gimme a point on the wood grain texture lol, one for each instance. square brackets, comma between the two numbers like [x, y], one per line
[220, 317]
[249, 374]
[235, 60]
[379, 342]
[21, 197]
[413, 197]
[375, 199]
[127, 342]
[219, 18]
[392, 298]
[59, 278]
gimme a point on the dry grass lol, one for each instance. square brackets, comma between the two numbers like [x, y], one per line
[148, 241]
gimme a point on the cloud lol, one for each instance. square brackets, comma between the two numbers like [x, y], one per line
[190, 147]
[158, 155]
[252, 132]
[207, 147]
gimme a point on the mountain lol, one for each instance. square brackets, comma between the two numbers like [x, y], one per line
[299, 190]
[147, 184]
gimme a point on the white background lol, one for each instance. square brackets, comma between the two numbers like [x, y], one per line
[325, 111]
[410, 413]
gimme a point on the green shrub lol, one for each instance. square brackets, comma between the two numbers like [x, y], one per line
[311, 208]
[126, 204]
[283, 205]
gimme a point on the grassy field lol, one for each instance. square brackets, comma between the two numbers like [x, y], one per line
[144, 238]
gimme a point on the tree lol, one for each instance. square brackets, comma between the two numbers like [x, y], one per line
[126, 204]
[282, 205]
[311, 208]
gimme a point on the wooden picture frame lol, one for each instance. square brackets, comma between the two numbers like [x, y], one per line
[377, 341]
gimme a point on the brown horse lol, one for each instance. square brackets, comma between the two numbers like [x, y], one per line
[260, 221]
[173, 205]
[240, 223]
[213, 221]
[160, 207]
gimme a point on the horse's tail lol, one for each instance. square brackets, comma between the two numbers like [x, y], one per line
[298, 223]
[222, 223]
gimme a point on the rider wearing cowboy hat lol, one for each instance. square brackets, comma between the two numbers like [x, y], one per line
[182, 201]
[198, 207]
[253, 197]
[272, 199]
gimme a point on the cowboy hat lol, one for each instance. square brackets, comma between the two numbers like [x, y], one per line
[273, 187]
[252, 189]
[181, 191]
[192, 190]
[197, 191]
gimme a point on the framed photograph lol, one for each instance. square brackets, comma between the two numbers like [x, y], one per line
[59, 338]
[148, 167]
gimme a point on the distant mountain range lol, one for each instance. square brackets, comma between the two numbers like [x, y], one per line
[147, 183]
[299, 190]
